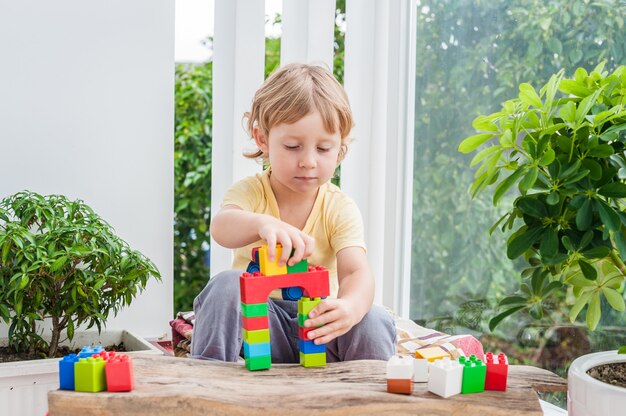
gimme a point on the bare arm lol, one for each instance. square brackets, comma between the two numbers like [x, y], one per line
[233, 227]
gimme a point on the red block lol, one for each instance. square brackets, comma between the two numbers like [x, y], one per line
[497, 371]
[256, 287]
[119, 372]
[303, 333]
[253, 324]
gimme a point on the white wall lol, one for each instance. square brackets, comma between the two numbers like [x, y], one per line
[87, 110]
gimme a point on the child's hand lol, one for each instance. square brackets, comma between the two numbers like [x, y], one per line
[337, 317]
[274, 231]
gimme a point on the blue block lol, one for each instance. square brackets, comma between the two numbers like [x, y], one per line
[66, 372]
[88, 351]
[309, 347]
[260, 349]
[292, 293]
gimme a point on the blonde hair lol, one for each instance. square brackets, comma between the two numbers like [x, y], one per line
[294, 91]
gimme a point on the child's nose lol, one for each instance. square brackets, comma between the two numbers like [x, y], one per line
[308, 160]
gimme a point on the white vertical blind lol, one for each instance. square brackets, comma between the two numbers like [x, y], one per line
[308, 32]
[379, 71]
[238, 67]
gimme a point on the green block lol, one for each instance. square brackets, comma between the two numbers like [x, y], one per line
[302, 318]
[474, 374]
[306, 305]
[89, 375]
[259, 363]
[253, 310]
[255, 337]
[313, 360]
[301, 267]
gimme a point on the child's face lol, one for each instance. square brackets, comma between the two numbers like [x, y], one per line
[303, 155]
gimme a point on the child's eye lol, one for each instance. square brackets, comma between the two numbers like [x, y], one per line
[322, 149]
[291, 147]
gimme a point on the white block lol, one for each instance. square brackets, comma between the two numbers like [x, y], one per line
[400, 367]
[420, 370]
[445, 377]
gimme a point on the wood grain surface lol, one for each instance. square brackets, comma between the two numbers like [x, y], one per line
[181, 386]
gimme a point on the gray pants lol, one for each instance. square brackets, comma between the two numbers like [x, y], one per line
[217, 330]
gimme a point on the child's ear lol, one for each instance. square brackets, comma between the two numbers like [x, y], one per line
[260, 139]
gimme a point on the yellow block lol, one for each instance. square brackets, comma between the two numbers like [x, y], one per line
[431, 353]
[271, 268]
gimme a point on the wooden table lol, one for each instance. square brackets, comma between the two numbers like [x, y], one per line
[180, 386]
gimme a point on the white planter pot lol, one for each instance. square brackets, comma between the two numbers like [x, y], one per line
[587, 396]
[24, 385]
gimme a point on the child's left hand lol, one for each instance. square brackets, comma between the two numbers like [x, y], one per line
[335, 315]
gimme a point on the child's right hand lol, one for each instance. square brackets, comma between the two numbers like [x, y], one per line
[275, 231]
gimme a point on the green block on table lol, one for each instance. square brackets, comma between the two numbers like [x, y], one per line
[306, 305]
[255, 337]
[474, 374]
[259, 363]
[313, 360]
[301, 267]
[253, 310]
[302, 318]
[89, 375]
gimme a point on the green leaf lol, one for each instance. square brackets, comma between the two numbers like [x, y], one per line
[547, 158]
[506, 184]
[518, 245]
[594, 312]
[622, 350]
[613, 190]
[588, 270]
[608, 216]
[602, 151]
[549, 243]
[493, 323]
[598, 252]
[620, 242]
[485, 123]
[614, 298]
[579, 305]
[584, 216]
[58, 264]
[483, 154]
[528, 95]
[529, 179]
[574, 88]
[471, 143]
[532, 206]
[553, 198]
[568, 112]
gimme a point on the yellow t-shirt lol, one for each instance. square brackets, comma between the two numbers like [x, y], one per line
[335, 222]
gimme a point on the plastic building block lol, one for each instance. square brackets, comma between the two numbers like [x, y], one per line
[312, 360]
[306, 305]
[309, 347]
[255, 337]
[66, 372]
[400, 375]
[119, 373]
[420, 370]
[255, 288]
[497, 371]
[254, 310]
[271, 268]
[260, 349]
[258, 363]
[301, 267]
[400, 386]
[446, 377]
[88, 351]
[474, 373]
[256, 323]
[89, 375]
[432, 353]
[292, 293]
[303, 333]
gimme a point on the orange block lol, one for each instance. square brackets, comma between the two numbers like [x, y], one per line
[400, 386]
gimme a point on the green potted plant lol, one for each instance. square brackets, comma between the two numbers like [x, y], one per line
[60, 261]
[562, 151]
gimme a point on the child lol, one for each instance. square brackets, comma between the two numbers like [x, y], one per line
[300, 121]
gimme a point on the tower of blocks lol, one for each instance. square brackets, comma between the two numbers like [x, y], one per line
[92, 371]
[301, 282]
[447, 377]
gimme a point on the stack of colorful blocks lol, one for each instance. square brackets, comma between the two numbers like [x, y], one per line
[298, 280]
[94, 370]
[447, 377]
